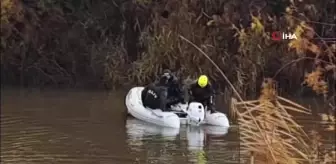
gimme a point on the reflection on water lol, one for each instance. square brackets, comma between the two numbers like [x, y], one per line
[83, 127]
[137, 129]
[187, 144]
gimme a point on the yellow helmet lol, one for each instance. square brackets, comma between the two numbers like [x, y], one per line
[202, 81]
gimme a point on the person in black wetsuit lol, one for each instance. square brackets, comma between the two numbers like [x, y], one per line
[201, 91]
[162, 94]
[175, 92]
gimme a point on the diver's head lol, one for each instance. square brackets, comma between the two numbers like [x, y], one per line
[165, 77]
[202, 81]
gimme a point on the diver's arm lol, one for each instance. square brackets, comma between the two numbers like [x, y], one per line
[174, 100]
[181, 95]
[210, 91]
[186, 94]
[178, 94]
[187, 86]
[163, 99]
[211, 94]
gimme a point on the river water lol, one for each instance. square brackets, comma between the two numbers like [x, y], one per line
[91, 127]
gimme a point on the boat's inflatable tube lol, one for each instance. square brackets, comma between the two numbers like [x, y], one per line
[155, 116]
[216, 119]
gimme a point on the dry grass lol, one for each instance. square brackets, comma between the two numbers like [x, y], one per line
[115, 65]
[217, 35]
[270, 134]
[166, 50]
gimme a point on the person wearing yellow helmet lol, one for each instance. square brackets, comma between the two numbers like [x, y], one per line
[202, 81]
[201, 91]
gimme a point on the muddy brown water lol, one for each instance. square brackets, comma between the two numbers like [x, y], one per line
[84, 127]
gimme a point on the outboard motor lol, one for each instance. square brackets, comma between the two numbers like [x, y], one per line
[196, 113]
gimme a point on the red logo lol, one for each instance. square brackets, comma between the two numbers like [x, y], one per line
[276, 35]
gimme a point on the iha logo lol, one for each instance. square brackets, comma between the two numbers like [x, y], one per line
[277, 35]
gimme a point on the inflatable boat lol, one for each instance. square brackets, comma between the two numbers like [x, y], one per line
[192, 113]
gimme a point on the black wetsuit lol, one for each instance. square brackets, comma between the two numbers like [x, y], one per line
[163, 94]
[175, 93]
[203, 95]
[155, 97]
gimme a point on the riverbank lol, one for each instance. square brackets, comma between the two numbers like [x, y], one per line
[113, 44]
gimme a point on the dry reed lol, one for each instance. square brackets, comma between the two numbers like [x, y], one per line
[279, 138]
[268, 130]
